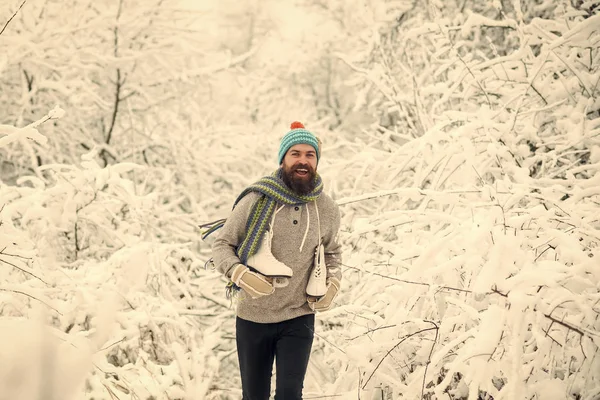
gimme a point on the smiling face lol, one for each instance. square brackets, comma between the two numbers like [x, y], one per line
[300, 168]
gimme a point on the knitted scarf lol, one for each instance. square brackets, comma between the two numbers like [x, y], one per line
[273, 192]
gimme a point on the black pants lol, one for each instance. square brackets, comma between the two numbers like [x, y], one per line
[288, 342]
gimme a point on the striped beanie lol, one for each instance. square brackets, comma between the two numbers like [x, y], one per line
[297, 135]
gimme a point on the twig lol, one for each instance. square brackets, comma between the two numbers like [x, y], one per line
[113, 119]
[118, 85]
[22, 270]
[393, 348]
[437, 330]
[409, 282]
[551, 318]
[11, 18]
[197, 313]
[111, 345]
[315, 333]
[467, 67]
[550, 336]
[112, 394]
[534, 78]
[574, 72]
[359, 382]
[372, 330]
[565, 325]
[538, 93]
[409, 192]
[479, 176]
[496, 348]
[32, 297]
[13, 255]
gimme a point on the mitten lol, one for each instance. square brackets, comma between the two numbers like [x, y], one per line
[324, 303]
[256, 285]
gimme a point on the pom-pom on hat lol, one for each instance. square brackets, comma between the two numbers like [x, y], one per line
[297, 135]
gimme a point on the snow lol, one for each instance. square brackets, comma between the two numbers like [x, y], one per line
[460, 144]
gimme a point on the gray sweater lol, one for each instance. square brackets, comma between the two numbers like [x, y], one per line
[289, 229]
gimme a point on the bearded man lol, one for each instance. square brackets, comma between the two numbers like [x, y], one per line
[279, 248]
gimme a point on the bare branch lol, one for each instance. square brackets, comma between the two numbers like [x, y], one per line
[31, 297]
[113, 118]
[437, 331]
[11, 18]
[550, 336]
[393, 348]
[565, 325]
[2, 252]
[118, 84]
[409, 282]
[327, 341]
[111, 345]
[468, 68]
[373, 330]
[22, 270]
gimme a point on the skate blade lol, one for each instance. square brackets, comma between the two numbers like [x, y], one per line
[281, 282]
[268, 276]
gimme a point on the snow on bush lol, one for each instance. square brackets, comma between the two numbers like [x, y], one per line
[483, 229]
[101, 287]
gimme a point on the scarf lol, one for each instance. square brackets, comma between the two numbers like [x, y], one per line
[274, 191]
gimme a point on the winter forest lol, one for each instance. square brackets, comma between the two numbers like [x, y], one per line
[461, 140]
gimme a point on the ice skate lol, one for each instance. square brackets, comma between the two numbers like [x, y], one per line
[264, 262]
[317, 282]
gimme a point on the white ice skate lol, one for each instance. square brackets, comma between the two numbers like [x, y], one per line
[265, 262]
[317, 282]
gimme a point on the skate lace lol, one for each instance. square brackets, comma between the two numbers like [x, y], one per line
[320, 240]
[307, 228]
[273, 217]
[308, 225]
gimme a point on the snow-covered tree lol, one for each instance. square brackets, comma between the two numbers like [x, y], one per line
[461, 141]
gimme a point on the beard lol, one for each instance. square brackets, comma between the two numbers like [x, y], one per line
[301, 185]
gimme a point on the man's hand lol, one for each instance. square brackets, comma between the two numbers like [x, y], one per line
[256, 285]
[324, 303]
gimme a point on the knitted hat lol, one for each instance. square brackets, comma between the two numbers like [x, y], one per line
[297, 135]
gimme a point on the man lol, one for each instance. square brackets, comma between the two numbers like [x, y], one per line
[272, 237]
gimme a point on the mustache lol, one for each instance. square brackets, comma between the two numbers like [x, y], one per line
[302, 166]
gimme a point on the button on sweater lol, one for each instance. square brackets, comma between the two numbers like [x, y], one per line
[292, 244]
